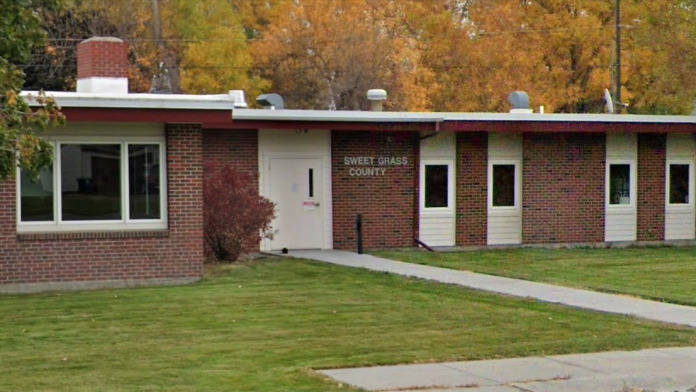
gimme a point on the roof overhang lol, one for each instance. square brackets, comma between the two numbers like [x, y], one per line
[208, 110]
[459, 122]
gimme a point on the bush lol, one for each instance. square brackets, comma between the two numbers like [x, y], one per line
[235, 217]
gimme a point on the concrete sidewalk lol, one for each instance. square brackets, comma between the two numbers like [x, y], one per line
[658, 370]
[583, 299]
[668, 370]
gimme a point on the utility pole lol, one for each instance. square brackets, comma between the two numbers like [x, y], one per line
[617, 71]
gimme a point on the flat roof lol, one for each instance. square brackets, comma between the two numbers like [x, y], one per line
[425, 117]
[136, 101]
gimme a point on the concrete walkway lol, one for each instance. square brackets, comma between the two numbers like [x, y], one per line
[584, 299]
[658, 370]
[666, 370]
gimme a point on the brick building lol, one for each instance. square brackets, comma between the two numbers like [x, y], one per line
[122, 203]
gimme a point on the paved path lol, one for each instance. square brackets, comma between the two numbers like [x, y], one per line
[665, 370]
[654, 370]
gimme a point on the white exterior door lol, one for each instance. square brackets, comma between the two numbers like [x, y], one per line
[296, 188]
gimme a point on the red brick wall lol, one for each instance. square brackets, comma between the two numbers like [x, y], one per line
[238, 148]
[563, 187]
[472, 173]
[77, 257]
[651, 187]
[387, 203]
[105, 57]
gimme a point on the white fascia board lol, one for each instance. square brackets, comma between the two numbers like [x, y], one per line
[335, 116]
[136, 101]
[432, 117]
[571, 117]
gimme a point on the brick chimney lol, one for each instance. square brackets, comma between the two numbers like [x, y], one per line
[102, 66]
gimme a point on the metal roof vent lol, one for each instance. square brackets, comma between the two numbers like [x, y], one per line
[376, 97]
[271, 101]
[520, 102]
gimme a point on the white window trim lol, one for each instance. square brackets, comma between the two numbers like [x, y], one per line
[517, 186]
[123, 224]
[450, 185]
[633, 186]
[689, 162]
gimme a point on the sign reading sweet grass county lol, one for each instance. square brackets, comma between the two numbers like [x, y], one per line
[372, 166]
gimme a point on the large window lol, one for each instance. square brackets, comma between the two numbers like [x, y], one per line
[679, 183]
[503, 184]
[620, 184]
[109, 185]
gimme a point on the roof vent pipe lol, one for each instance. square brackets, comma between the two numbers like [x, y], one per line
[376, 98]
[271, 101]
[520, 102]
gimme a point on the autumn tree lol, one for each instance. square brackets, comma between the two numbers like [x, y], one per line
[660, 73]
[20, 142]
[327, 54]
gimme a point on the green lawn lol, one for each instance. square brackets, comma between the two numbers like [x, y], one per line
[661, 273]
[262, 326]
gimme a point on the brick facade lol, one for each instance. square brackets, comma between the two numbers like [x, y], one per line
[388, 203]
[651, 187]
[238, 148]
[172, 255]
[471, 183]
[563, 187]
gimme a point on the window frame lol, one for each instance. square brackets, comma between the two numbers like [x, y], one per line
[633, 184]
[668, 179]
[123, 224]
[517, 186]
[450, 184]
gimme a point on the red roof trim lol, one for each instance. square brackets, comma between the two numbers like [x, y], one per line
[566, 126]
[171, 116]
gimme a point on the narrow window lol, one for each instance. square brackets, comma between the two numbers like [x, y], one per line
[679, 183]
[37, 197]
[436, 186]
[619, 184]
[311, 182]
[90, 182]
[144, 181]
[503, 185]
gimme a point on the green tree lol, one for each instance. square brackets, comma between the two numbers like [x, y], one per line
[20, 126]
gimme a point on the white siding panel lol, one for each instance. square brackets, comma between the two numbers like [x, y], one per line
[620, 226]
[680, 146]
[680, 220]
[680, 225]
[505, 225]
[441, 145]
[437, 228]
[620, 222]
[504, 229]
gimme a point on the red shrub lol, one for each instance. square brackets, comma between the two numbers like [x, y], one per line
[236, 217]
